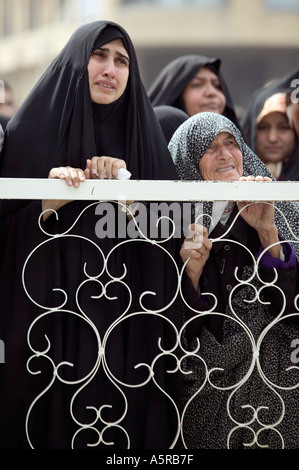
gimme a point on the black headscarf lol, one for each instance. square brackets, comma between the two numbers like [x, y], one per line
[169, 85]
[4, 120]
[59, 113]
[290, 170]
[170, 118]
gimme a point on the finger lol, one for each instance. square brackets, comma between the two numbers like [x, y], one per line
[108, 167]
[189, 253]
[87, 173]
[189, 244]
[65, 175]
[246, 178]
[54, 172]
[72, 178]
[92, 165]
[116, 166]
[75, 177]
[262, 178]
[207, 244]
[59, 172]
[197, 231]
[101, 167]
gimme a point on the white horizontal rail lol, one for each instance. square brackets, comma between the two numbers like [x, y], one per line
[144, 190]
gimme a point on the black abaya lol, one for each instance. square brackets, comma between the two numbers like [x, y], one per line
[86, 332]
[170, 118]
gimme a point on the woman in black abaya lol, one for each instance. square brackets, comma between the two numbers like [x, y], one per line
[193, 83]
[79, 386]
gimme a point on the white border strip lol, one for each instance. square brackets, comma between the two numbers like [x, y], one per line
[144, 190]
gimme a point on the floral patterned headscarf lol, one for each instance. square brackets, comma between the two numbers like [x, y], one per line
[194, 136]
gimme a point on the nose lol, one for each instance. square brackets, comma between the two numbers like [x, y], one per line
[223, 153]
[109, 68]
[209, 88]
[272, 134]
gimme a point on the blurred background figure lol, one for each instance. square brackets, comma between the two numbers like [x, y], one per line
[7, 103]
[1, 136]
[271, 126]
[193, 83]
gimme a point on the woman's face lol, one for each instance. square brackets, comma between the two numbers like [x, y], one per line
[108, 71]
[203, 93]
[223, 160]
[275, 138]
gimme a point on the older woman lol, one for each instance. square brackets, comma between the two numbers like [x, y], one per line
[87, 117]
[232, 299]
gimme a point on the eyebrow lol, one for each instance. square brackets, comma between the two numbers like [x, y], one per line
[119, 54]
[229, 137]
[214, 80]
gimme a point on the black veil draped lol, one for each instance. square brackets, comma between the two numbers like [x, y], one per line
[172, 80]
[77, 333]
[170, 118]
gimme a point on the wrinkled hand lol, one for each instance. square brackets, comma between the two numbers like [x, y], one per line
[197, 247]
[260, 216]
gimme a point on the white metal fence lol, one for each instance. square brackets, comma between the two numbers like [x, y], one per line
[238, 388]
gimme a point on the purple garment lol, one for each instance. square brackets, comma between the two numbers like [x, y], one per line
[269, 261]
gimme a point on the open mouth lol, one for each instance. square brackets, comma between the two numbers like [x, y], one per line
[221, 170]
[106, 85]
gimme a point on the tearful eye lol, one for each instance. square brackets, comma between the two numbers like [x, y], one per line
[99, 54]
[122, 62]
